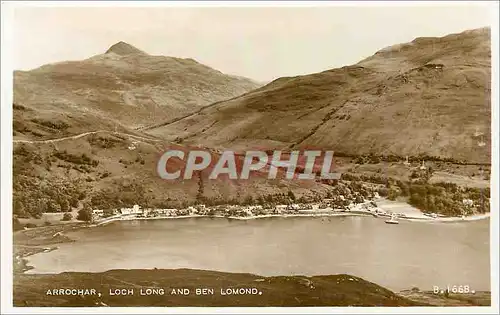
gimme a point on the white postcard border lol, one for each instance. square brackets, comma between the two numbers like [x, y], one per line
[6, 169]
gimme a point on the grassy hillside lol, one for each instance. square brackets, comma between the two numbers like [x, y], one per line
[108, 170]
[124, 87]
[334, 290]
[427, 97]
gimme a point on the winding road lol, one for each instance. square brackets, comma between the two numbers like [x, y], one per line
[83, 135]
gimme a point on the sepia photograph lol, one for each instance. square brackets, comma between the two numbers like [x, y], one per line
[249, 156]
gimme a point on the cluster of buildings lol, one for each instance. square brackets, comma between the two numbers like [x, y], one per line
[227, 210]
[137, 212]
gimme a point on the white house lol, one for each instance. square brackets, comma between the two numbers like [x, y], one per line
[423, 167]
[125, 211]
[134, 210]
[407, 161]
[280, 208]
[468, 202]
[257, 207]
[166, 211]
[247, 211]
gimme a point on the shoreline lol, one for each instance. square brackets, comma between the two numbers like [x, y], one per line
[255, 217]
[334, 213]
[23, 260]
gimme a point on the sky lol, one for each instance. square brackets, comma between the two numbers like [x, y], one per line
[262, 43]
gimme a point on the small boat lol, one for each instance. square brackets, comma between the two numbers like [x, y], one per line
[392, 220]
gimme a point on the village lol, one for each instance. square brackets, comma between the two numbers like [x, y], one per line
[328, 207]
[231, 211]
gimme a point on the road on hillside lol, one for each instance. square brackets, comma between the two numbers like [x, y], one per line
[83, 135]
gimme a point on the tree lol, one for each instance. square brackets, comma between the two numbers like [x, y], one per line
[73, 202]
[358, 199]
[64, 205]
[67, 217]
[199, 195]
[53, 206]
[261, 201]
[431, 204]
[418, 201]
[383, 192]
[291, 195]
[249, 200]
[82, 195]
[392, 194]
[85, 214]
[19, 208]
[16, 225]
[110, 212]
[405, 190]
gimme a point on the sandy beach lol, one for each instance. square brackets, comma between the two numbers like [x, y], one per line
[414, 214]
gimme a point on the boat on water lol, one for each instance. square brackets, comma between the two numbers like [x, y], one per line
[392, 220]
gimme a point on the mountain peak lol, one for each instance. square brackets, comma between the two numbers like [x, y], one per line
[122, 48]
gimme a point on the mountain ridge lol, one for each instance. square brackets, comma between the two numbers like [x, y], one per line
[429, 96]
[123, 48]
[428, 104]
[122, 88]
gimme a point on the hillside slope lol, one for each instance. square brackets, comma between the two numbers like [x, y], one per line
[109, 170]
[123, 87]
[427, 97]
[332, 290]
